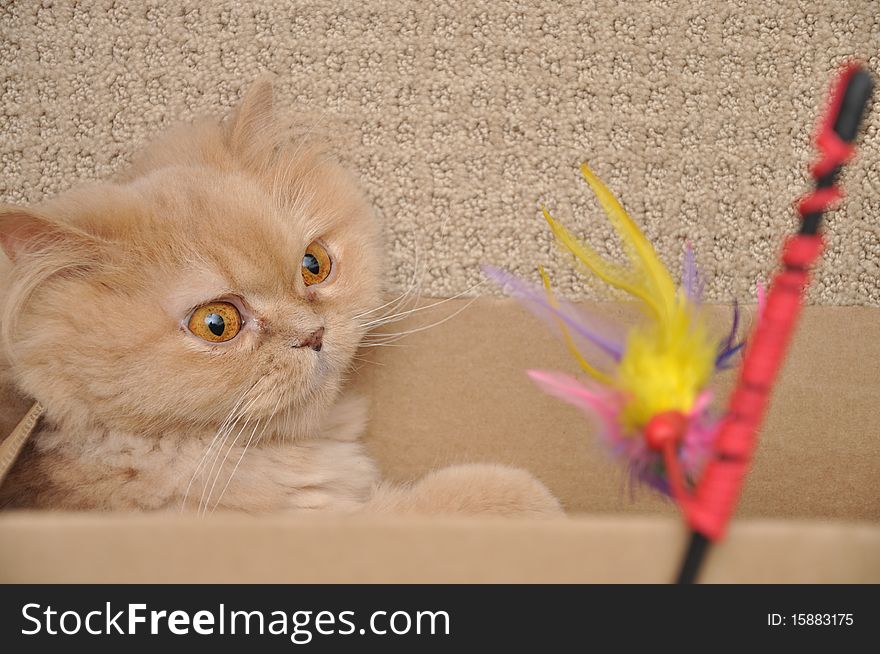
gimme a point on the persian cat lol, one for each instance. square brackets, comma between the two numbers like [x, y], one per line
[187, 327]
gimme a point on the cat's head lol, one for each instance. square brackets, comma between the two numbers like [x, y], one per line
[229, 268]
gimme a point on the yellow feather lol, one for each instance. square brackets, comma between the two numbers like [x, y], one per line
[566, 334]
[653, 278]
[665, 366]
[608, 272]
[668, 360]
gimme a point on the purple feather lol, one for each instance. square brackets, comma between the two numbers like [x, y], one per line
[728, 349]
[535, 298]
[691, 280]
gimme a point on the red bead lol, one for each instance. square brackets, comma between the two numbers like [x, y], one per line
[665, 427]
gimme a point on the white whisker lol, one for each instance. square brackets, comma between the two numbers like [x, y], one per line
[366, 360]
[225, 459]
[413, 292]
[398, 335]
[410, 295]
[220, 429]
[219, 448]
[244, 451]
[399, 316]
[395, 301]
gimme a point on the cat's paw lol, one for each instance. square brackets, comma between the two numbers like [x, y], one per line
[472, 489]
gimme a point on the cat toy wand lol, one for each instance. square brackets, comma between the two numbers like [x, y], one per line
[709, 509]
[652, 397]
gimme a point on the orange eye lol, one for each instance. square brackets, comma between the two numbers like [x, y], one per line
[316, 264]
[215, 322]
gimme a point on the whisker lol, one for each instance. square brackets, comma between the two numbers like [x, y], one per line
[399, 335]
[219, 448]
[366, 360]
[220, 429]
[411, 295]
[403, 314]
[231, 474]
[396, 300]
[244, 451]
[225, 459]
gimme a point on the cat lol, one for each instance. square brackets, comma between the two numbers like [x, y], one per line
[188, 326]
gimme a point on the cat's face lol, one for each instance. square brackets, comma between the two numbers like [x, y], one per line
[192, 292]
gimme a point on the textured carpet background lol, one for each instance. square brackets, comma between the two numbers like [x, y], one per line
[463, 117]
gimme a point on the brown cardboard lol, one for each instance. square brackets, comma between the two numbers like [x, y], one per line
[153, 548]
[457, 393]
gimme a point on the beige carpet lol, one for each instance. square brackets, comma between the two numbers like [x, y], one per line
[464, 117]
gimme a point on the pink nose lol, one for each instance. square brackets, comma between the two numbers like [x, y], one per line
[315, 340]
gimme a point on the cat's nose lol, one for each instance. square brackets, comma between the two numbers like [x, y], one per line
[315, 340]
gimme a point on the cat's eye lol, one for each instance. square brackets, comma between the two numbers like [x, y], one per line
[316, 264]
[216, 322]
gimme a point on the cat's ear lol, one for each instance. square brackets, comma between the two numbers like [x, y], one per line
[254, 114]
[24, 230]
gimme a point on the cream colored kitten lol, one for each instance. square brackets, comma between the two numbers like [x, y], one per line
[188, 325]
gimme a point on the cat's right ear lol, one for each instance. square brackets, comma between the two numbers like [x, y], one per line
[24, 230]
[254, 114]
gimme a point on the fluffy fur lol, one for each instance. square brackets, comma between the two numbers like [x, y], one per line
[142, 414]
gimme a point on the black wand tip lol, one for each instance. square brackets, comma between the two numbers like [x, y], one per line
[693, 560]
[853, 105]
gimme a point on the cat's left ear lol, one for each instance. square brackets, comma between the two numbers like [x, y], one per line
[254, 114]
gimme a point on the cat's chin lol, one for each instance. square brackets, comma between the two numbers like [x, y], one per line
[295, 412]
[292, 424]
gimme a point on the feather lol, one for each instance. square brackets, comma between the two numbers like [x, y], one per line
[608, 272]
[644, 464]
[728, 349]
[664, 363]
[536, 300]
[575, 393]
[650, 275]
[566, 333]
[691, 280]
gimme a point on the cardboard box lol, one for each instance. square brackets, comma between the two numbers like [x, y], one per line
[810, 511]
